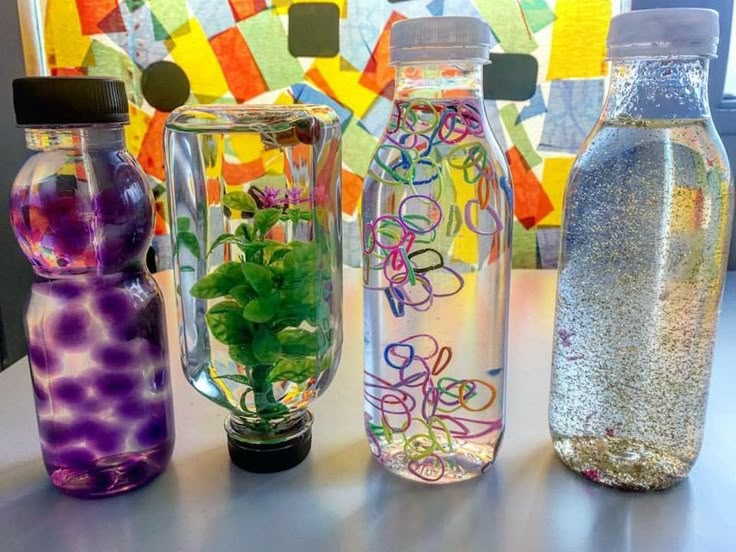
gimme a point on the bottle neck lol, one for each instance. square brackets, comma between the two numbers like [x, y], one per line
[667, 88]
[439, 80]
[110, 136]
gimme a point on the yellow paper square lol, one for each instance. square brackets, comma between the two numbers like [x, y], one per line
[554, 180]
[465, 244]
[136, 130]
[66, 44]
[193, 53]
[284, 99]
[343, 79]
[273, 161]
[579, 39]
[247, 146]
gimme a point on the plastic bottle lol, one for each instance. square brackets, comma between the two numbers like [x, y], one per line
[82, 212]
[254, 197]
[645, 239]
[436, 230]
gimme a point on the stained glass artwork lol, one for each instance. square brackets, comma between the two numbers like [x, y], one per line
[335, 52]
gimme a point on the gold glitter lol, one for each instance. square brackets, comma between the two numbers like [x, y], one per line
[644, 250]
[623, 463]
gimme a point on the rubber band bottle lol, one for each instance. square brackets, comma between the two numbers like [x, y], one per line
[82, 211]
[645, 240]
[436, 220]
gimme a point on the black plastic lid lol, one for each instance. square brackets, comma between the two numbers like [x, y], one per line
[41, 101]
[270, 458]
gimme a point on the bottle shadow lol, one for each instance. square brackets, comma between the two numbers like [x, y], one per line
[34, 515]
[578, 514]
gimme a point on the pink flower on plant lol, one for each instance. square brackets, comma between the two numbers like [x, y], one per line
[294, 196]
[271, 197]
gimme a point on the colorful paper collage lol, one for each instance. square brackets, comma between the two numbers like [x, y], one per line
[235, 51]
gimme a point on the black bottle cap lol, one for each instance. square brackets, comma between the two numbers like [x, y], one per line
[270, 458]
[41, 101]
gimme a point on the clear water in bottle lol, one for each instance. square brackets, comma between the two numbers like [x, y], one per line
[647, 223]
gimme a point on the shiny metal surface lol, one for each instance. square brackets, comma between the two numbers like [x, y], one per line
[341, 499]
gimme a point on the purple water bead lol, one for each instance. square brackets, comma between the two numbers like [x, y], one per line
[67, 390]
[42, 360]
[66, 290]
[132, 409]
[109, 440]
[70, 328]
[153, 432]
[115, 357]
[91, 406]
[114, 306]
[147, 323]
[105, 437]
[54, 433]
[68, 213]
[123, 205]
[71, 237]
[115, 384]
[75, 457]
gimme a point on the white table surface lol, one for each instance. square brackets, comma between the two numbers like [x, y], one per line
[341, 499]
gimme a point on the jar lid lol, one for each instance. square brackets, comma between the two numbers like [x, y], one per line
[441, 38]
[664, 32]
[41, 101]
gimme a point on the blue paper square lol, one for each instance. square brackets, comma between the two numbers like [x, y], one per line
[573, 108]
[305, 94]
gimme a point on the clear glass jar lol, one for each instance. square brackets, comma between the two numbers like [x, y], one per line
[645, 240]
[82, 211]
[436, 218]
[255, 205]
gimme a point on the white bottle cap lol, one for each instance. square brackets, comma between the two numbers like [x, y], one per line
[664, 32]
[440, 39]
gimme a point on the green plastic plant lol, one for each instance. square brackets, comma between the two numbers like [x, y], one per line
[268, 295]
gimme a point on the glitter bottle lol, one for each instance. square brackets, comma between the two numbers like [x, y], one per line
[645, 237]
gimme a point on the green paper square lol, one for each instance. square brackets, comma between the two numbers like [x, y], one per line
[537, 13]
[267, 41]
[358, 147]
[524, 247]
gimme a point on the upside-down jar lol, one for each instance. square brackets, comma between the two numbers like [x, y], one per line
[254, 196]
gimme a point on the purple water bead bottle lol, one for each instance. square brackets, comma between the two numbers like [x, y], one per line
[82, 212]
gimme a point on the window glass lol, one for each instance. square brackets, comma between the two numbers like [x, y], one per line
[730, 90]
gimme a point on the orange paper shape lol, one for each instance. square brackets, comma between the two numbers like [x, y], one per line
[238, 65]
[531, 203]
[352, 188]
[243, 9]
[240, 173]
[378, 75]
[69, 71]
[100, 16]
[151, 157]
